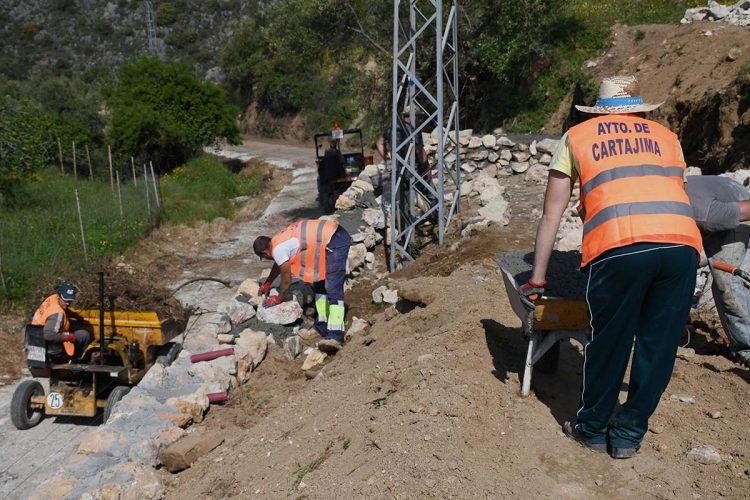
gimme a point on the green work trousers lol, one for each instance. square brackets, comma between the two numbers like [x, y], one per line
[640, 293]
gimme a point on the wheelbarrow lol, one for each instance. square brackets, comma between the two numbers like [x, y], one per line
[544, 323]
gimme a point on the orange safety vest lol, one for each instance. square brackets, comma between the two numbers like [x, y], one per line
[309, 264]
[632, 188]
[50, 306]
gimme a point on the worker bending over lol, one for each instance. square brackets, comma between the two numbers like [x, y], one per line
[315, 251]
[720, 205]
[640, 251]
[53, 316]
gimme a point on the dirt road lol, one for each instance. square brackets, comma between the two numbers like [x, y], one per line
[27, 458]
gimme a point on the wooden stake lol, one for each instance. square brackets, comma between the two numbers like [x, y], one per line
[59, 154]
[132, 164]
[80, 222]
[2, 275]
[88, 158]
[156, 189]
[75, 166]
[148, 198]
[119, 198]
[111, 176]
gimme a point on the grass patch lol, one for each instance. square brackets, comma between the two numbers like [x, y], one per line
[40, 236]
[303, 471]
[346, 444]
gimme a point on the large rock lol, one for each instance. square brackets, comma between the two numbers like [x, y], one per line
[61, 485]
[363, 185]
[249, 288]
[475, 142]
[496, 211]
[489, 141]
[285, 313]
[373, 217]
[250, 348]
[184, 453]
[314, 359]
[705, 454]
[103, 441]
[519, 167]
[237, 311]
[358, 328]
[194, 404]
[547, 146]
[356, 257]
[504, 141]
[215, 379]
[345, 202]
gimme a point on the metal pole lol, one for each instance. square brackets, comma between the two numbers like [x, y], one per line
[440, 125]
[80, 222]
[394, 232]
[156, 188]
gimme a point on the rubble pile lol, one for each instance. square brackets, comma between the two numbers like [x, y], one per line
[736, 15]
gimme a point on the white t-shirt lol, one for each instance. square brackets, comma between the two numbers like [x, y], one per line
[285, 251]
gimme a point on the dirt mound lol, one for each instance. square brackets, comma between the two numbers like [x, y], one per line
[702, 72]
[427, 405]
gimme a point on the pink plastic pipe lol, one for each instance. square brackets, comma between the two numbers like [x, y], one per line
[208, 356]
[218, 397]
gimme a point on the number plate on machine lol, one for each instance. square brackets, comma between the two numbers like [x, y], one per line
[55, 400]
[36, 353]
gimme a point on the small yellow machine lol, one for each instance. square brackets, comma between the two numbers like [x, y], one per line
[127, 344]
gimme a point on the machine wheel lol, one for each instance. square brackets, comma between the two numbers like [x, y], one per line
[22, 414]
[168, 353]
[117, 394]
[548, 362]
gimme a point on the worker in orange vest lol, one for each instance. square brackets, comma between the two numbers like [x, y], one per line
[640, 251]
[315, 251]
[52, 315]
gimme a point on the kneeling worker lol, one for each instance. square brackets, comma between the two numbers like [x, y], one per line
[52, 315]
[314, 251]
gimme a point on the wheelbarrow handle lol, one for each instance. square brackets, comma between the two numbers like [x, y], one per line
[723, 266]
[736, 271]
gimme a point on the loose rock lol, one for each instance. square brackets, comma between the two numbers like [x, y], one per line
[705, 454]
[186, 451]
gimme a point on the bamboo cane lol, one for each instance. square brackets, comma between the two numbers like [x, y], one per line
[132, 164]
[83, 234]
[2, 274]
[88, 159]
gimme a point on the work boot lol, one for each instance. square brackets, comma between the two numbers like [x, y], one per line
[629, 452]
[569, 428]
[310, 338]
[329, 346]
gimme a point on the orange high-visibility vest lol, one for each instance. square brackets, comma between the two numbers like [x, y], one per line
[632, 188]
[50, 306]
[309, 264]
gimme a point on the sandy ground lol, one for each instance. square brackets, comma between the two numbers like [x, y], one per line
[427, 404]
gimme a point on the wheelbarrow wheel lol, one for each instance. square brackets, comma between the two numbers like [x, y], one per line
[548, 363]
[117, 394]
[22, 413]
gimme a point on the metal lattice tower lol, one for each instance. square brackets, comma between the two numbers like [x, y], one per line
[418, 203]
[153, 49]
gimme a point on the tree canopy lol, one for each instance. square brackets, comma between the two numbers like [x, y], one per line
[163, 112]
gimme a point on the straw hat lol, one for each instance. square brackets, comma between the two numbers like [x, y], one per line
[619, 94]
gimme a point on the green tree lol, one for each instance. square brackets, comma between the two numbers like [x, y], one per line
[161, 111]
[25, 143]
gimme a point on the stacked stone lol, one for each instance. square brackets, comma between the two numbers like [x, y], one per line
[736, 15]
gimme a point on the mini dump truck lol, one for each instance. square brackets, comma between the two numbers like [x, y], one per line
[125, 346]
[339, 164]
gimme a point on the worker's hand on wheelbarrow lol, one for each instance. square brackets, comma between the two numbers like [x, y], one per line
[265, 288]
[272, 301]
[532, 290]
